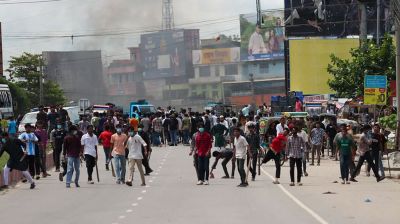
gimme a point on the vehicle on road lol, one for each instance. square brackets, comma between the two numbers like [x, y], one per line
[6, 103]
[30, 118]
[141, 107]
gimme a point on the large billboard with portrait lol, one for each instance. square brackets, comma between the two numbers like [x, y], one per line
[163, 54]
[265, 42]
[339, 18]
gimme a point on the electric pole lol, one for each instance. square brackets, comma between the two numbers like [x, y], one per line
[41, 82]
[167, 15]
[378, 21]
[363, 21]
[396, 13]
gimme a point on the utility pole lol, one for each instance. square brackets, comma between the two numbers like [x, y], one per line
[253, 93]
[40, 82]
[378, 22]
[396, 12]
[363, 21]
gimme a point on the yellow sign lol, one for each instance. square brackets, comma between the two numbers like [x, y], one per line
[309, 61]
[375, 96]
[216, 56]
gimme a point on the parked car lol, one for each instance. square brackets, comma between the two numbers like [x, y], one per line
[30, 118]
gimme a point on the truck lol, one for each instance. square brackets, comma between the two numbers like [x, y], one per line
[140, 107]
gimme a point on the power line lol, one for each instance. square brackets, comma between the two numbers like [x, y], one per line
[5, 2]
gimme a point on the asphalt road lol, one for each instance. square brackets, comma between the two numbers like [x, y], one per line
[171, 196]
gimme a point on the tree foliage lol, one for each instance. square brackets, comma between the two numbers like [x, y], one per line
[20, 97]
[24, 72]
[369, 59]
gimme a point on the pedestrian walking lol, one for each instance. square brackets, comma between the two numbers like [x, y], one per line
[146, 160]
[307, 147]
[294, 150]
[72, 151]
[57, 136]
[277, 145]
[219, 131]
[317, 139]
[118, 143]
[364, 151]
[253, 139]
[12, 127]
[134, 144]
[241, 149]
[344, 144]
[17, 158]
[378, 147]
[157, 130]
[105, 140]
[30, 141]
[89, 144]
[186, 127]
[42, 144]
[203, 146]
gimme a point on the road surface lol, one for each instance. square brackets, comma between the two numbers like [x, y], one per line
[171, 196]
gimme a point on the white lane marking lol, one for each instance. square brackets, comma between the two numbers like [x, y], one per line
[139, 198]
[159, 167]
[135, 204]
[121, 217]
[129, 211]
[150, 181]
[114, 223]
[147, 186]
[156, 173]
[144, 191]
[297, 201]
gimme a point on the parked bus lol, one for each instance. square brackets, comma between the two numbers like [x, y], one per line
[6, 103]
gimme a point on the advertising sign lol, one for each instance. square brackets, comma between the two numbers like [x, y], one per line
[338, 18]
[216, 56]
[163, 54]
[265, 42]
[375, 89]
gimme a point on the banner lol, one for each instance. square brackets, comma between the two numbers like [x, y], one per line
[265, 42]
[216, 56]
[375, 90]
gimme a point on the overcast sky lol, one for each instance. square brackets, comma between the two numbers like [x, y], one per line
[74, 17]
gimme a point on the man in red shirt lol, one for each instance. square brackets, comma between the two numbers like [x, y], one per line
[203, 146]
[105, 140]
[277, 145]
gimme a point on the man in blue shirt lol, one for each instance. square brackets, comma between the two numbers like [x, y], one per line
[30, 140]
[12, 127]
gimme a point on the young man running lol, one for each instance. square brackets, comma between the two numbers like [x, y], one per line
[89, 144]
[30, 140]
[134, 144]
[277, 145]
[17, 158]
[364, 150]
[105, 140]
[254, 142]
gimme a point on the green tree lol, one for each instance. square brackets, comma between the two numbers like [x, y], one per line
[369, 59]
[24, 73]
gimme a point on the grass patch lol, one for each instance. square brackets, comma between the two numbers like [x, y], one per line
[3, 160]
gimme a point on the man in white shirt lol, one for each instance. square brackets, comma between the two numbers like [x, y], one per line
[89, 144]
[256, 42]
[223, 121]
[280, 128]
[302, 134]
[240, 149]
[135, 156]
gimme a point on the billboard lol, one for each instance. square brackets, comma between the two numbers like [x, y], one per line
[163, 54]
[216, 56]
[309, 61]
[375, 89]
[338, 18]
[264, 43]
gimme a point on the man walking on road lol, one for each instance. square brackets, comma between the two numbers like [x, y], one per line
[203, 146]
[105, 140]
[30, 140]
[219, 131]
[89, 144]
[73, 151]
[146, 158]
[134, 144]
[364, 151]
[254, 142]
[118, 142]
[240, 149]
[57, 140]
[17, 159]
[295, 149]
[344, 144]
[277, 145]
[317, 139]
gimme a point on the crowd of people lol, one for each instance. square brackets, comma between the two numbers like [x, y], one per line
[241, 139]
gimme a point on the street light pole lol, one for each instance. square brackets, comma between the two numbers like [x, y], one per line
[397, 21]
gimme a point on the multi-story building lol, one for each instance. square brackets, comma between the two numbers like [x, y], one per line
[79, 74]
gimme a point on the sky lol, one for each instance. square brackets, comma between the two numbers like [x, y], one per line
[132, 17]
